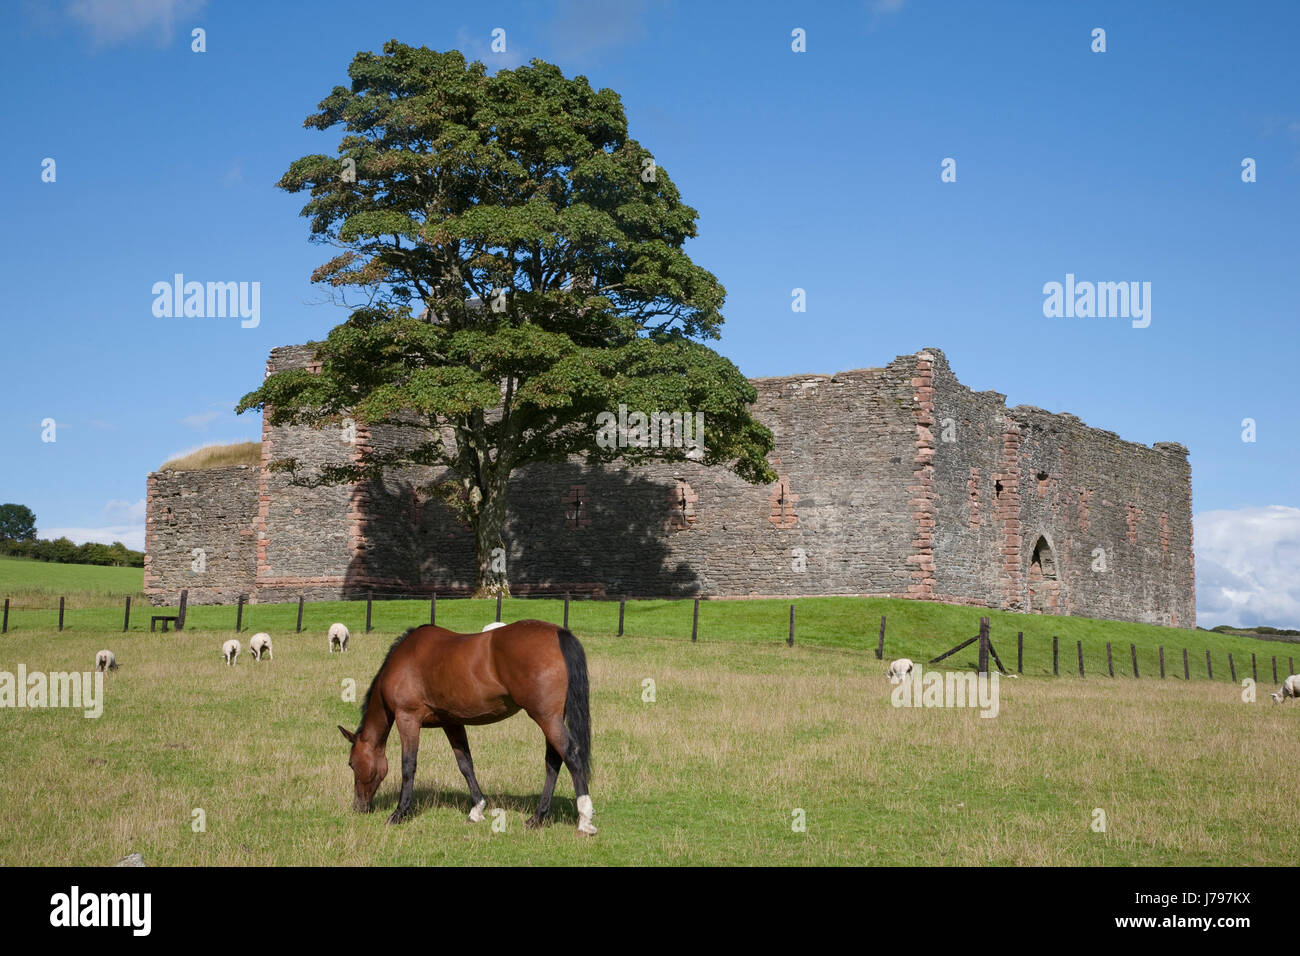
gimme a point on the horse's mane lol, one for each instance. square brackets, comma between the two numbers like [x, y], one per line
[365, 701]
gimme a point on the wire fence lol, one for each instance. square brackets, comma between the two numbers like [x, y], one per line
[637, 618]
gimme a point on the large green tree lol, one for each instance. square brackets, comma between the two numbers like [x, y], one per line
[17, 523]
[520, 264]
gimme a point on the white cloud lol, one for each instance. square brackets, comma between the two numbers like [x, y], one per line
[132, 511]
[477, 46]
[131, 535]
[127, 526]
[112, 21]
[200, 420]
[1248, 567]
[581, 31]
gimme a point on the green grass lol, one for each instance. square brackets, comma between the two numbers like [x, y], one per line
[40, 584]
[743, 731]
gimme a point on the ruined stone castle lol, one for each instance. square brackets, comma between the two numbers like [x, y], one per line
[895, 481]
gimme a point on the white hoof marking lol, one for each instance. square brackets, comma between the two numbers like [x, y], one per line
[476, 815]
[585, 810]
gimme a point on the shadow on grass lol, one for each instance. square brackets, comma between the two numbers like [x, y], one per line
[423, 798]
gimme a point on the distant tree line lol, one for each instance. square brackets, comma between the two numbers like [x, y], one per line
[18, 539]
[1280, 632]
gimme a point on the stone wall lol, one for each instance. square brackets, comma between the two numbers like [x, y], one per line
[200, 534]
[897, 481]
[1110, 519]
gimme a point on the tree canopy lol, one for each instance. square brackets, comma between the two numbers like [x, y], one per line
[17, 523]
[519, 269]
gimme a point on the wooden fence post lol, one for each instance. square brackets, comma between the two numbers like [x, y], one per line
[183, 609]
[370, 599]
[1209, 668]
[239, 614]
[1187, 674]
[60, 614]
[1232, 668]
[1290, 662]
[1275, 670]
[299, 613]
[622, 605]
[126, 618]
[695, 621]
[984, 646]
[1162, 662]
[1020, 652]
[1055, 672]
[790, 640]
[1254, 672]
[433, 608]
[880, 645]
[1110, 663]
[1134, 651]
[5, 627]
[1079, 645]
[566, 609]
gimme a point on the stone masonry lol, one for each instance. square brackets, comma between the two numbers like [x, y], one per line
[898, 481]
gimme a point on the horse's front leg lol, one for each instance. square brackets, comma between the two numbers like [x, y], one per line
[459, 741]
[408, 729]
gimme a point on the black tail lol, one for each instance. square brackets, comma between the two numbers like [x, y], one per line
[577, 710]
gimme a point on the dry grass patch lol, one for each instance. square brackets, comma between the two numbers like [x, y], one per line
[217, 456]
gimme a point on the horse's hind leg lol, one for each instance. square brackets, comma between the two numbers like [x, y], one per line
[409, 730]
[557, 735]
[459, 741]
[553, 762]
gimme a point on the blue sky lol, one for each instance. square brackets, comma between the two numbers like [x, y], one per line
[817, 170]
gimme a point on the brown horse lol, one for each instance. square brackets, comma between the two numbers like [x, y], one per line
[433, 677]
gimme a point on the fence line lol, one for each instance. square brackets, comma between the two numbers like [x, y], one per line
[986, 648]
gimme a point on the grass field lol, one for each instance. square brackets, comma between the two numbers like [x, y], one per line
[39, 584]
[743, 731]
[739, 737]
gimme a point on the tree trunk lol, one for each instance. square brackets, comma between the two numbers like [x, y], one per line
[489, 544]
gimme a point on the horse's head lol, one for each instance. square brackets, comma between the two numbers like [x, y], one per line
[369, 767]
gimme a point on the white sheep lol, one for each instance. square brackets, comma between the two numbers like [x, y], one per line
[494, 625]
[260, 646]
[105, 661]
[1290, 688]
[230, 651]
[898, 670]
[339, 637]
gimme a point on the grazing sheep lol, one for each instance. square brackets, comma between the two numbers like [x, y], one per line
[230, 651]
[899, 670]
[260, 645]
[494, 625]
[105, 661]
[338, 637]
[1290, 688]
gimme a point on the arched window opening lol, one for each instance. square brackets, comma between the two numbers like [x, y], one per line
[1042, 566]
